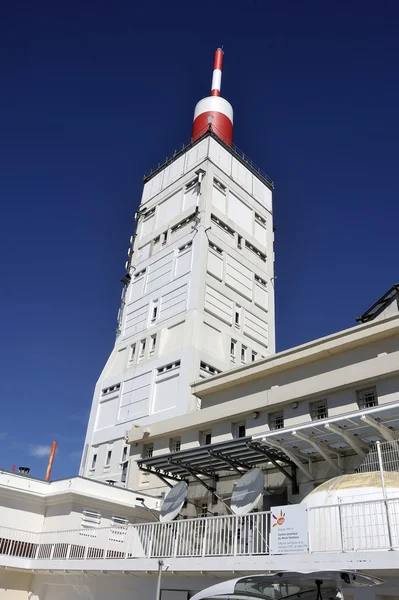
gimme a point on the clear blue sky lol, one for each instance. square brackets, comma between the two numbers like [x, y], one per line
[93, 94]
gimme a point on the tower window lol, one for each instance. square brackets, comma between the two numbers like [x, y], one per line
[132, 352]
[154, 311]
[164, 238]
[93, 462]
[142, 349]
[243, 354]
[108, 459]
[239, 242]
[233, 347]
[260, 281]
[153, 344]
[124, 453]
[254, 356]
[237, 316]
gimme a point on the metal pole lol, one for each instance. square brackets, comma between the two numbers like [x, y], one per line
[384, 493]
[384, 490]
[158, 595]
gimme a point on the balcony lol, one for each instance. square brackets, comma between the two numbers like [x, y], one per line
[355, 533]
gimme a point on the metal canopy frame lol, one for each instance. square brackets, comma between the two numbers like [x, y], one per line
[219, 460]
[333, 438]
[379, 306]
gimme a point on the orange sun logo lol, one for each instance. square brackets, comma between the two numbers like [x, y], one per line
[280, 519]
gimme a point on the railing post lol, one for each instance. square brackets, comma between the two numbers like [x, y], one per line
[176, 542]
[341, 533]
[235, 534]
[205, 534]
[150, 536]
[388, 524]
[384, 493]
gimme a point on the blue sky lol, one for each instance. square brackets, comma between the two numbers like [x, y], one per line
[94, 94]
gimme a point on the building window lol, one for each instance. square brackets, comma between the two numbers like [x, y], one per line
[276, 420]
[206, 438]
[175, 444]
[153, 344]
[367, 398]
[132, 352]
[93, 462]
[203, 509]
[139, 274]
[233, 347]
[260, 281]
[124, 454]
[219, 185]
[207, 370]
[237, 316]
[239, 430]
[256, 251]
[243, 354]
[239, 242]
[254, 356]
[90, 521]
[222, 225]
[108, 458]
[111, 388]
[164, 238]
[154, 311]
[148, 450]
[118, 529]
[260, 219]
[124, 471]
[215, 248]
[318, 410]
[142, 349]
[185, 247]
[168, 367]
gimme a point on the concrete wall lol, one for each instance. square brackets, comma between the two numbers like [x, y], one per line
[15, 585]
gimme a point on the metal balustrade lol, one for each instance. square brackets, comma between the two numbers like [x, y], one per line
[346, 527]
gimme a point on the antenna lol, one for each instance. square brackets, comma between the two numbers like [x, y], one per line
[217, 72]
[214, 114]
[173, 502]
[247, 492]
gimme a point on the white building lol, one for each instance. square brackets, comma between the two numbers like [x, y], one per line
[194, 390]
[198, 296]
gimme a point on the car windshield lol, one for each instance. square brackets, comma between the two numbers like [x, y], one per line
[256, 588]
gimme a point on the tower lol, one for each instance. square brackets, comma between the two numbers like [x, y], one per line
[198, 291]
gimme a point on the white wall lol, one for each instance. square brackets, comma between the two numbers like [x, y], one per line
[170, 272]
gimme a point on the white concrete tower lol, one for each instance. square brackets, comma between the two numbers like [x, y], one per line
[198, 294]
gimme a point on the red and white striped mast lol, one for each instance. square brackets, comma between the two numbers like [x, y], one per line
[214, 112]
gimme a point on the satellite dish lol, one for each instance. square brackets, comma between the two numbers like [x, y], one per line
[247, 492]
[173, 502]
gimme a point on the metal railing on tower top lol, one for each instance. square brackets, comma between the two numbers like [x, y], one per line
[233, 149]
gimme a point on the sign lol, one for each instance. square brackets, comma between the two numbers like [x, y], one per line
[289, 529]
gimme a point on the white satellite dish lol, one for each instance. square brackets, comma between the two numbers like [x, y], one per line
[173, 502]
[247, 492]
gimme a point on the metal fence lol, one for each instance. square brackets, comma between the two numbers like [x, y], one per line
[343, 527]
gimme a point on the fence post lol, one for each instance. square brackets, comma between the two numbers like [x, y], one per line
[340, 528]
[384, 494]
[205, 535]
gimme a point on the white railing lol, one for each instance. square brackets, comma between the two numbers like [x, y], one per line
[360, 526]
